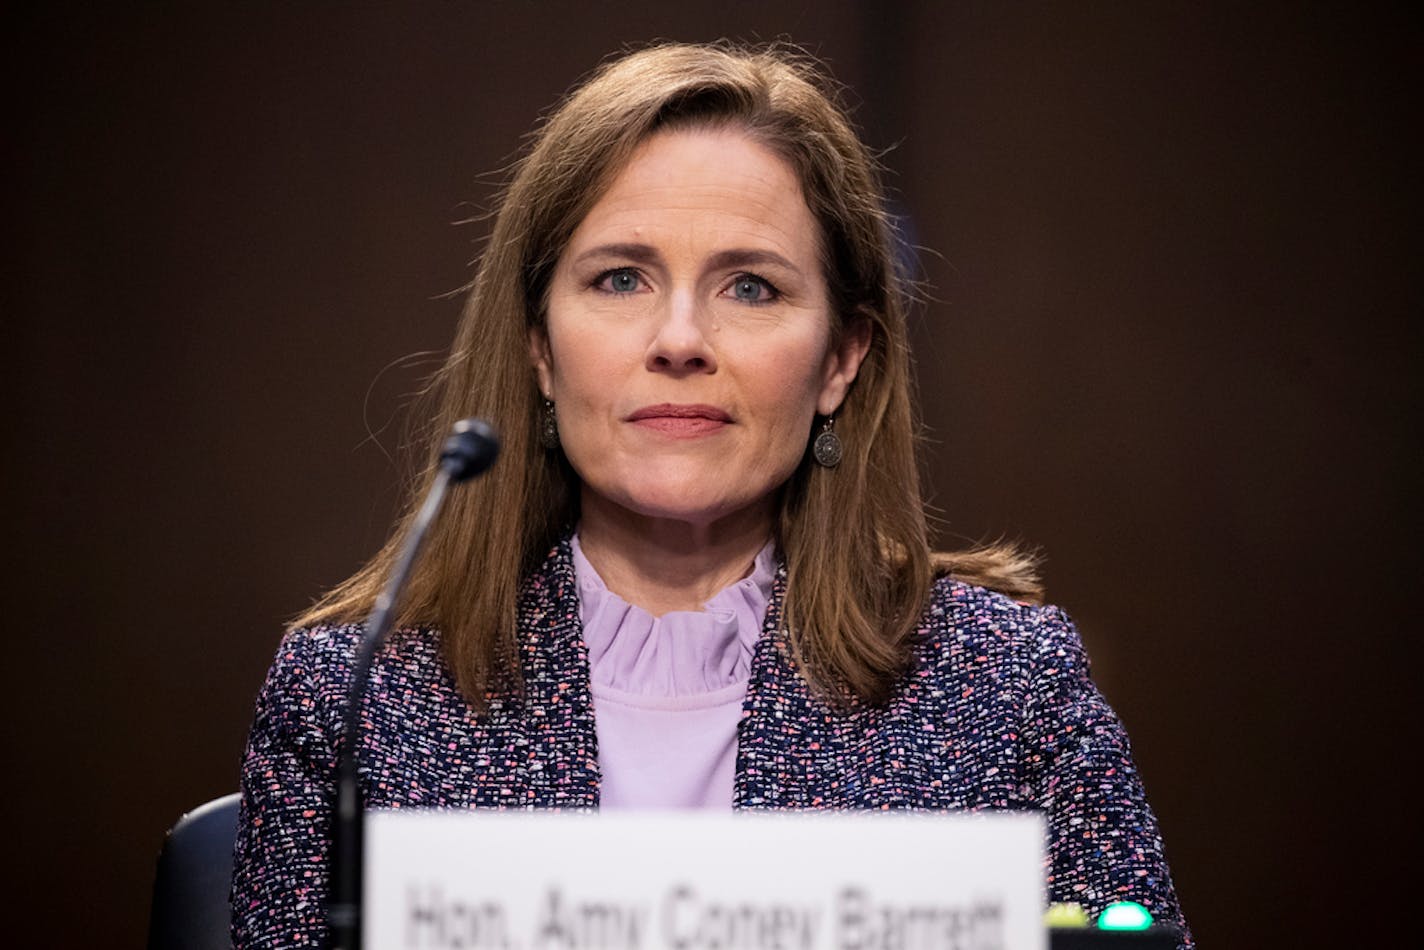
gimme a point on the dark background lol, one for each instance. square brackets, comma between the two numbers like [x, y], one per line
[1171, 248]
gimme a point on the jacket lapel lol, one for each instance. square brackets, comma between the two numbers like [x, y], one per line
[560, 763]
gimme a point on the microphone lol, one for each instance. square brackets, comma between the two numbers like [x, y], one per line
[471, 447]
[468, 451]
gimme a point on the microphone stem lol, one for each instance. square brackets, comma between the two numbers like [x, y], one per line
[344, 912]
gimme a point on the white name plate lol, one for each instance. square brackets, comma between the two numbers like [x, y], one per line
[703, 881]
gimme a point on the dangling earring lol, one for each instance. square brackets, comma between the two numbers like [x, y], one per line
[548, 426]
[826, 450]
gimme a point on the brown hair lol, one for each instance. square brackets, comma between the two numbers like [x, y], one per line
[854, 538]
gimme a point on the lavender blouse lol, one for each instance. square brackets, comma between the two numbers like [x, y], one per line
[668, 691]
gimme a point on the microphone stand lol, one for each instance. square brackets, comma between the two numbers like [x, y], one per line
[470, 449]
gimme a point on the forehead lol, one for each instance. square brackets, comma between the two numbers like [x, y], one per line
[718, 184]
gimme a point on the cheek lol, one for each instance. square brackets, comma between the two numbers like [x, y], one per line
[798, 376]
[787, 395]
[583, 400]
[583, 364]
[588, 379]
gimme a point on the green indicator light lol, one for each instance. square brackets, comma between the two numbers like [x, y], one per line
[1124, 915]
[1065, 915]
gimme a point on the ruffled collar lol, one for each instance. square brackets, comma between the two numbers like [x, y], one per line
[683, 652]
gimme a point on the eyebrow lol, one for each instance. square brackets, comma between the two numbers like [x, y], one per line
[733, 257]
[641, 253]
[750, 257]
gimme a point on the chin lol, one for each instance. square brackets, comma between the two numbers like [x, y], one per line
[680, 489]
[682, 507]
[685, 504]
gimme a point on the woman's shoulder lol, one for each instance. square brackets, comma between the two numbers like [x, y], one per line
[963, 601]
[961, 614]
[328, 640]
[320, 651]
[321, 657]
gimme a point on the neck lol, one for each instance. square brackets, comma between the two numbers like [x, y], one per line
[661, 564]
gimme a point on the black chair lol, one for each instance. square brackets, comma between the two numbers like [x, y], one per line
[190, 892]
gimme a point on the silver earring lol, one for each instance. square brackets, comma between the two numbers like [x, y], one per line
[826, 450]
[548, 427]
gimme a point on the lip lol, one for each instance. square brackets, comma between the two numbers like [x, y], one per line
[680, 420]
[670, 410]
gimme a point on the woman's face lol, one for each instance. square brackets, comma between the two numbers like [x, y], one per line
[687, 344]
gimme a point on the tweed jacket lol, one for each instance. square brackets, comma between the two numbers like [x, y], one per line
[998, 712]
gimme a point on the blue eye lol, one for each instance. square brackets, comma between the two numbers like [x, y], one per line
[622, 281]
[752, 289]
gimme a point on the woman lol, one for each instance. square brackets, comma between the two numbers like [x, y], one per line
[699, 575]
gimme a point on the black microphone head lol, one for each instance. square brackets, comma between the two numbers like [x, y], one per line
[471, 447]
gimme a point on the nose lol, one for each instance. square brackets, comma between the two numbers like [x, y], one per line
[680, 343]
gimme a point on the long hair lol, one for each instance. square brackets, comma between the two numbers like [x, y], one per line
[854, 538]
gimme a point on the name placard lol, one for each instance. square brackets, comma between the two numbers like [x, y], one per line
[703, 881]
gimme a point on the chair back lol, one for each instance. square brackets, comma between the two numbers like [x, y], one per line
[190, 908]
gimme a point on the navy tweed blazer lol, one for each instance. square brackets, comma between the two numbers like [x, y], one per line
[999, 712]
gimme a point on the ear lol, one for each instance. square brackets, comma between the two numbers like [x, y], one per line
[843, 363]
[542, 360]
